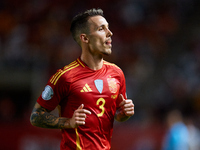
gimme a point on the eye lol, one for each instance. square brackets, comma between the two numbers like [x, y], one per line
[103, 27]
[100, 28]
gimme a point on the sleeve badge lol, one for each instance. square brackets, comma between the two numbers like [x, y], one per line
[47, 94]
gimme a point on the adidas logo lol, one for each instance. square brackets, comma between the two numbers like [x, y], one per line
[86, 88]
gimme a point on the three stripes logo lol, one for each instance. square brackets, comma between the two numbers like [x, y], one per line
[86, 88]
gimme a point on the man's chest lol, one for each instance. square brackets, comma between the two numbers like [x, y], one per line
[106, 85]
[97, 93]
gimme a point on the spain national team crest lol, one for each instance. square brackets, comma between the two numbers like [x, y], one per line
[112, 83]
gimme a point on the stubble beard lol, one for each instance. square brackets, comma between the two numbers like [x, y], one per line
[108, 52]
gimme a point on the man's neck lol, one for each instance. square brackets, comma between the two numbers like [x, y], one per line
[93, 62]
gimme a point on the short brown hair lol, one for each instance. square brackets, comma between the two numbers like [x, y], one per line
[79, 23]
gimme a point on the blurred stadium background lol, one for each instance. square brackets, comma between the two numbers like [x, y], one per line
[155, 42]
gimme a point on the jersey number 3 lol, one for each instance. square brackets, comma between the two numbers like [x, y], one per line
[101, 106]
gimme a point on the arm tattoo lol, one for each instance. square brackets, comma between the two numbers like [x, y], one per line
[41, 117]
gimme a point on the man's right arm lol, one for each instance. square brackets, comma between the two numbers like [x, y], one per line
[42, 117]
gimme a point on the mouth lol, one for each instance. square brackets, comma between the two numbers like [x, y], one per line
[109, 42]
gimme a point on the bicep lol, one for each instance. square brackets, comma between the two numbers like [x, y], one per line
[39, 108]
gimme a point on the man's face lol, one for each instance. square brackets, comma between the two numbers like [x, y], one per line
[99, 36]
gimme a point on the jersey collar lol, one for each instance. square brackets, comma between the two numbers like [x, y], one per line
[81, 62]
[85, 66]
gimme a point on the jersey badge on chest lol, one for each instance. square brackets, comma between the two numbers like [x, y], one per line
[99, 85]
[112, 85]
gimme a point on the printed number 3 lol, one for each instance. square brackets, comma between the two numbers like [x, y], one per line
[101, 106]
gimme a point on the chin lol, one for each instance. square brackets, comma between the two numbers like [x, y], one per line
[108, 52]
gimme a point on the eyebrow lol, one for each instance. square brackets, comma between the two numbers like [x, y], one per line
[103, 25]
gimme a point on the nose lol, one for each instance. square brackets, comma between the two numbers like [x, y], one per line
[109, 34]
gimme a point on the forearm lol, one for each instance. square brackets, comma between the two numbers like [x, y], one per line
[121, 116]
[47, 120]
[41, 117]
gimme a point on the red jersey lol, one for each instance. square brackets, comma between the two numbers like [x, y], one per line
[98, 90]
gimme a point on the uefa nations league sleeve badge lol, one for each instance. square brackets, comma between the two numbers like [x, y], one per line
[47, 94]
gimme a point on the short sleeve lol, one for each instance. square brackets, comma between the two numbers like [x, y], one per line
[53, 93]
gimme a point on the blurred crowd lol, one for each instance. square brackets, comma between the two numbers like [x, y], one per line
[156, 43]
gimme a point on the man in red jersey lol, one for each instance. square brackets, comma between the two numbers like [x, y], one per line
[90, 92]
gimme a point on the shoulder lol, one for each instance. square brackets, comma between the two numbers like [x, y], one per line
[113, 66]
[65, 73]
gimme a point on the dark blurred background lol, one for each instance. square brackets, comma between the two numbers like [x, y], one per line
[156, 43]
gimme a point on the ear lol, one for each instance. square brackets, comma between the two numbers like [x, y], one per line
[83, 38]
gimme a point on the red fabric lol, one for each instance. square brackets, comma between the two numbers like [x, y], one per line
[74, 85]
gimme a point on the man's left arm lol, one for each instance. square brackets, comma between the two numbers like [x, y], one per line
[126, 109]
